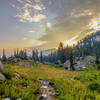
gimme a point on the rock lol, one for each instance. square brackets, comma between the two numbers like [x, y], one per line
[44, 87]
[1, 66]
[47, 91]
[57, 94]
[77, 69]
[67, 65]
[41, 98]
[83, 66]
[19, 99]
[25, 64]
[44, 95]
[6, 99]
[2, 77]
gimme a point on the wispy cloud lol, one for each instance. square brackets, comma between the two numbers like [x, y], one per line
[79, 13]
[67, 18]
[32, 31]
[37, 0]
[29, 11]
[38, 7]
[21, 1]
[26, 17]
[25, 38]
[75, 20]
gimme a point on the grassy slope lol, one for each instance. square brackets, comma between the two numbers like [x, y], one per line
[66, 87]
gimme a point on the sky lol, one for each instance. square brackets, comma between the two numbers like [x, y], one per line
[46, 23]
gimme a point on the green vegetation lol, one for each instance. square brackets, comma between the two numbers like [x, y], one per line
[69, 85]
[72, 90]
[8, 73]
[19, 85]
[91, 79]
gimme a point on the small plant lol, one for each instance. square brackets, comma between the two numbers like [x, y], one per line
[94, 86]
[8, 74]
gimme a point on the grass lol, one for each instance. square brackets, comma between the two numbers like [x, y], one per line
[19, 84]
[69, 85]
[72, 90]
[91, 79]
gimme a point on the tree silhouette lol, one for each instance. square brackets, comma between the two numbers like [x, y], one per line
[41, 57]
[71, 60]
[4, 56]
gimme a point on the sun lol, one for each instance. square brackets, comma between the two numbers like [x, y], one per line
[70, 43]
[48, 24]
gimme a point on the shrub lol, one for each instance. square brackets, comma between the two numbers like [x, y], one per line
[94, 86]
[8, 74]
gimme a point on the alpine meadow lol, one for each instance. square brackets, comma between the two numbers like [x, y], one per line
[49, 49]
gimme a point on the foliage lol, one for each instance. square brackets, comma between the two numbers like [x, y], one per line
[19, 85]
[8, 74]
[91, 79]
[25, 83]
[72, 90]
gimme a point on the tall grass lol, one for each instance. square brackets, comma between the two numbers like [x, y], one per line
[69, 85]
[19, 85]
[73, 90]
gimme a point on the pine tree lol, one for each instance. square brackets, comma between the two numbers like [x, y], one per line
[61, 53]
[33, 55]
[41, 57]
[71, 60]
[21, 54]
[61, 47]
[15, 54]
[37, 58]
[97, 57]
[4, 56]
[25, 54]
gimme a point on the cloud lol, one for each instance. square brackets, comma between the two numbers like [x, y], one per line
[32, 31]
[30, 11]
[74, 18]
[65, 18]
[75, 37]
[26, 17]
[29, 1]
[36, 42]
[25, 38]
[37, 0]
[38, 7]
[77, 14]
[21, 1]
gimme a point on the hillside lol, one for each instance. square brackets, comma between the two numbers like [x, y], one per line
[91, 43]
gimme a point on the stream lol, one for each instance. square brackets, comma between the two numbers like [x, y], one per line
[47, 92]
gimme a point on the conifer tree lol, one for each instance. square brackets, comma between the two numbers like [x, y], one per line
[25, 54]
[41, 57]
[71, 60]
[97, 57]
[15, 53]
[4, 56]
[61, 53]
[33, 55]
[37, 58]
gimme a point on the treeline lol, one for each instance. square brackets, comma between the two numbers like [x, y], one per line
[62, 55]
[23, 55]
[89, 46]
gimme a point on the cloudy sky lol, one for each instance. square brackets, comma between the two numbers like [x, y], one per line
[44, 23]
